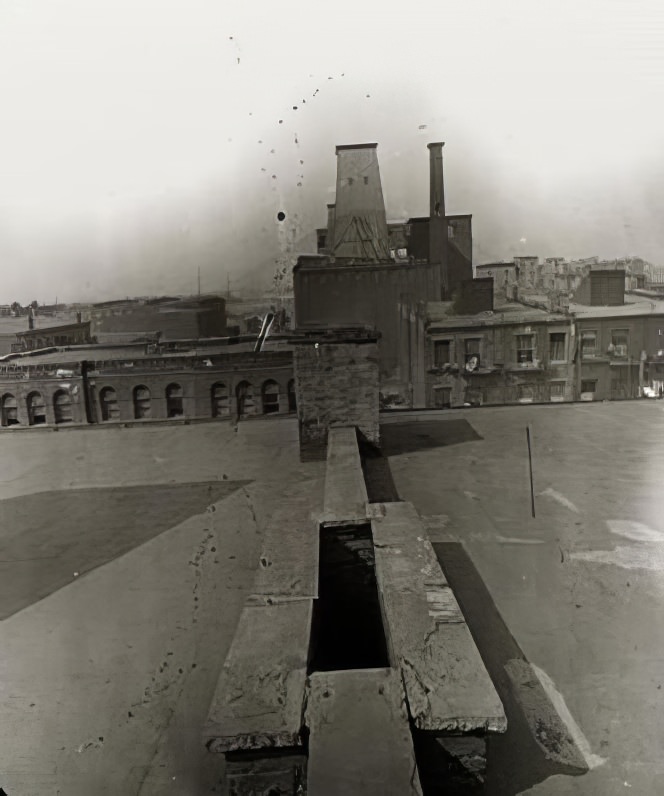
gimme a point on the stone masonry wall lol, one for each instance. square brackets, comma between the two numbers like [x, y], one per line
[336, 384]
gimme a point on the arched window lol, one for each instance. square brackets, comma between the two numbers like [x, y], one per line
[62, 407]
[174, 407]
[292, 400]
[142, 402]
[36, 409]
[270, 394]
[244, 393]
[109, 404]
[220, 402]
[9, 410]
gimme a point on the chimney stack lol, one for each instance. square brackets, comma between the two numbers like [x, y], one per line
[360, 224]
[437, 221]
[31, 319]
[436, 182]
[329, 242]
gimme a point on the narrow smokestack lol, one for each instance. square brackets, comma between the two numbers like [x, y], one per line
[31, 319]
[329, 243]
[437, 221]
[360, 224]
[436, 182]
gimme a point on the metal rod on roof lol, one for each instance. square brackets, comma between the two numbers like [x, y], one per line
[530, 467]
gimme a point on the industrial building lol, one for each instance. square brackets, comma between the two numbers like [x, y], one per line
[365, 266]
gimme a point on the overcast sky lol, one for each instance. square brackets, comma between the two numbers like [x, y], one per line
[141, 140]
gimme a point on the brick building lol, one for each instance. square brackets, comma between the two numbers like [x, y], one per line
[99, 384]
[621, 349]
[511, 354]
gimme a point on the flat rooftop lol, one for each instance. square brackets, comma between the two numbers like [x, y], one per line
[127, 555]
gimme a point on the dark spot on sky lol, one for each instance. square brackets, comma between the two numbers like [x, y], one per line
[281, 215]
[281, 121]
[294, 107]
[274, 176]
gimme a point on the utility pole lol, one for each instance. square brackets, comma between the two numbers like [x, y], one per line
[228, 285]
[199, 281]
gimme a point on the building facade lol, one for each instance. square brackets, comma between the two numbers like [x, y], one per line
[513, 354]
[366, 267]
[125, 385]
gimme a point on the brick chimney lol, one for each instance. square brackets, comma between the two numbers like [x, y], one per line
[437, 221]
[360, 224]
[331, 212]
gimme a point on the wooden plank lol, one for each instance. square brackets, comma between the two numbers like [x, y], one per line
[447, 685]
[259, 698]
[345, 497]
[359, 741]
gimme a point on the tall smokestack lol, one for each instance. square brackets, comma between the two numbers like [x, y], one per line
[360, 224]
[329, 242]
[436, 182]
[437, 222]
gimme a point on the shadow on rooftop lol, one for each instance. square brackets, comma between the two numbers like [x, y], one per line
[537, 745]
[409, 437]
[48, 536]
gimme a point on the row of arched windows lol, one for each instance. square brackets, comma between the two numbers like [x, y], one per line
[247, 402]
[36, 408]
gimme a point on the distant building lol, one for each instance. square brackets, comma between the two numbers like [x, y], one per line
[45, 337]
[106, 384]
[365, 266]
[527, 275]
[474, 353]
[170, 318]
[621, 349]
[509, 354]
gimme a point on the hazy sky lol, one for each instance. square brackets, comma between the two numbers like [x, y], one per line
[141, 140]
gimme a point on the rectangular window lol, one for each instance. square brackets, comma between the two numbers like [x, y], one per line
[472, 353]
[619, 342]
[589, 386]
[588, 344]
[557, 347]
[441, 353]
[524, 348]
